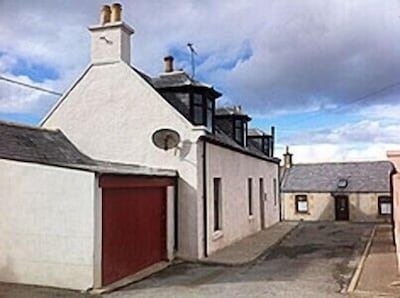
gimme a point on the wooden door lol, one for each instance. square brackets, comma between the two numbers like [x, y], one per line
[342, 207]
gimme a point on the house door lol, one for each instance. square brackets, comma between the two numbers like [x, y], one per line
[262, 203]
[342, 207]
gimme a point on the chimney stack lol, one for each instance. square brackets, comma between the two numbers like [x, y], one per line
[169, 64]
[287, 159]
[105, 15]
[111, 39]
[116, 9]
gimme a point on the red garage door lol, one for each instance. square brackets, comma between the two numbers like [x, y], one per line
[134, 230]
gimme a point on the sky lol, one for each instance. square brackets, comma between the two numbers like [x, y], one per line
[326, 74]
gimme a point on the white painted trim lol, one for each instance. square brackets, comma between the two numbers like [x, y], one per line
[170, 222]
[98, 229]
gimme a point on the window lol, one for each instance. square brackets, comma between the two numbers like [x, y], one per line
[385, 205]
[203, 111]
[250, 195]
[275, 186]
[301, 204]
[209, 114]
[198, 115]
[261, 190]
[217, 204]
[265, 148]
[238, 131]
[342, 183]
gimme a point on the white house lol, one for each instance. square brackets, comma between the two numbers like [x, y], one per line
[228, 185]
[73, 222]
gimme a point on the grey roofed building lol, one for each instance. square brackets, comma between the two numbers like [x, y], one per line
[51, 147]
[179, 79]
[371, 176]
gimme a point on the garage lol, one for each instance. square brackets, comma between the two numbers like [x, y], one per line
[134, 224]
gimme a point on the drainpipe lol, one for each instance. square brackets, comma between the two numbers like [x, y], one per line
[392, 173]
[176, 217]
[205, 198]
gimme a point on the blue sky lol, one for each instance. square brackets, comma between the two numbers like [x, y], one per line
[303, 67]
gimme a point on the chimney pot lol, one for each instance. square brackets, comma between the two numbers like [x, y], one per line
[116, 9]
[105, 14]
[169, 63]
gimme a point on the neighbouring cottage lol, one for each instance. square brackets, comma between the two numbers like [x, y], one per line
[354, 191]
[74, 222]
[228, 185]
[394, 157]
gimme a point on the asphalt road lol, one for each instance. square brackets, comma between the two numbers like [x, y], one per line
[315, 260]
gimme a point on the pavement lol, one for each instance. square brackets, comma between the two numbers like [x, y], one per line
[379, 276]
[250, 248]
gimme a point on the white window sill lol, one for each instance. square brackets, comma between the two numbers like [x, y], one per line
[217, 235]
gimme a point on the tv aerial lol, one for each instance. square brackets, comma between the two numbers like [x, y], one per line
[166, 138]
[192, 53]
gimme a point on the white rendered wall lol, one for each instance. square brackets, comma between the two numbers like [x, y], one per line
[46, 225]
[234, 169]
[112, 113]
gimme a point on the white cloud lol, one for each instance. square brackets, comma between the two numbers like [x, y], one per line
[365, 131]
[338, 152]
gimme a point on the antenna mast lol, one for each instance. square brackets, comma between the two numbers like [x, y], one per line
[192, 53]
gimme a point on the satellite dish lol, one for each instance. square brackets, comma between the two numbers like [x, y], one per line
[166, 138]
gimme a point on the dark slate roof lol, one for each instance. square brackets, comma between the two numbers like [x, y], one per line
[371, 176]
[52, 147]
[227, 111]
[222, 139]
[179, 79]
[256, 132]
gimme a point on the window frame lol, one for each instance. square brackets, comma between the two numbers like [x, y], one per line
[217, 202]
[301, 198]
[207, 111]
[250, 204]
[385, 200]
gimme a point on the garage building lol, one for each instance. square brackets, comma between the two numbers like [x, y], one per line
[73, 222]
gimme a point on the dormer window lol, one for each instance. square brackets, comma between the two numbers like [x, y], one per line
[233, 122]
[202, 111]
[262, 141]
[342, 183]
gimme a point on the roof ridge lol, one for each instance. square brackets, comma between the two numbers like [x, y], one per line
[28, 126]
[340, 162]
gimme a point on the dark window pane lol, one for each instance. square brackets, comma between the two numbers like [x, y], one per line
[250, 185]
[198, 115]
[209, 104]
[217, 204]
[209, 123]
[266, 146]
[197, 99]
